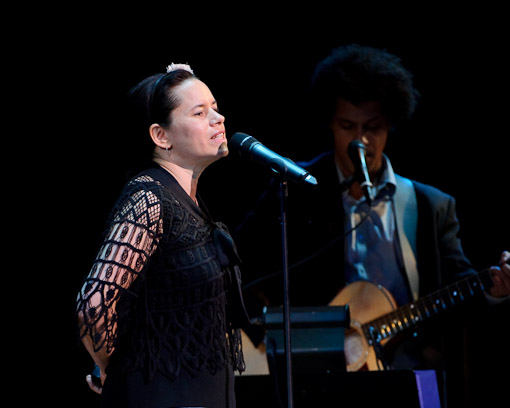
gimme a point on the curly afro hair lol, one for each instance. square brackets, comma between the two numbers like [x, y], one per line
[360, 74]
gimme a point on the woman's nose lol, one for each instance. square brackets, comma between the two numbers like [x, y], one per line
[217, 118]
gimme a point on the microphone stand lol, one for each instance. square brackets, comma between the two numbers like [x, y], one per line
[283, 192]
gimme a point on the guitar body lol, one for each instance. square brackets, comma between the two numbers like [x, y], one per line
[375, 318]
[367, 301]
[254, 357]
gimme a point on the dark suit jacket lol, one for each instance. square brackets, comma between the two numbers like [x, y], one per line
[315, 229]
[315, 225]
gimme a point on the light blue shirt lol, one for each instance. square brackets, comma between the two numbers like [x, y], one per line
[372, 250]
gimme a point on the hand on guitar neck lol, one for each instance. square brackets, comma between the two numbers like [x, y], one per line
[501, 277]
[375, 317]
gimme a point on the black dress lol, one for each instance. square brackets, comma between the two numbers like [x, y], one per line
[164, 295]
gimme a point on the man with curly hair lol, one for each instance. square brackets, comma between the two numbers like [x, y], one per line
[378, 244]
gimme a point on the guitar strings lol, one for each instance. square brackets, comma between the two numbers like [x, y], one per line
[428, 306]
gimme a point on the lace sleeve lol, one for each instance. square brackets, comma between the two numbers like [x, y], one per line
[131, 238]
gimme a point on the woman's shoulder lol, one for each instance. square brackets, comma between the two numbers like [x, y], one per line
[142, 197]
[142, 187]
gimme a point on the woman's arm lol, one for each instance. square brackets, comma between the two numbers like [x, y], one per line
[126, 249]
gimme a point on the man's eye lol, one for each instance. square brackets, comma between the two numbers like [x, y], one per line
[373, 128]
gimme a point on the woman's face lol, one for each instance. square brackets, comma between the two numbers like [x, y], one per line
[197, 130]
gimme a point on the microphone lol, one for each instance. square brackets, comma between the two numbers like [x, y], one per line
[251, 148]
[356, 152]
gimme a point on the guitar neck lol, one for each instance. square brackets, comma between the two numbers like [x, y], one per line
[430, 305]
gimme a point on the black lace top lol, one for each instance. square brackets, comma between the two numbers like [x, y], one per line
[164, 290]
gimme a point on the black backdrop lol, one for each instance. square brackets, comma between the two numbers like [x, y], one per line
[79, 66]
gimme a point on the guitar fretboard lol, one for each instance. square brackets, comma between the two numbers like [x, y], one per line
[407, 316]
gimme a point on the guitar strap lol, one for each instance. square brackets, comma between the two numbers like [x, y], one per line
[406, 215]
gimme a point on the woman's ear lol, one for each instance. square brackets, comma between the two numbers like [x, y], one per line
[159, 136]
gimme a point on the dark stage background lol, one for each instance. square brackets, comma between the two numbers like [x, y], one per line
[258, 65]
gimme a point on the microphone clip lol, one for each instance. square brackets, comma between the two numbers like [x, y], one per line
[356, 152]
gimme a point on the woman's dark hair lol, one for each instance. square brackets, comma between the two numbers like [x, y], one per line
[361, 74]
[162, 101]
[152, 100]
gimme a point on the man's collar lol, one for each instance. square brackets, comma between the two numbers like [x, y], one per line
[387, 180]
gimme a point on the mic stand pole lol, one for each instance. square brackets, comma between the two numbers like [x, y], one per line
[286, 308]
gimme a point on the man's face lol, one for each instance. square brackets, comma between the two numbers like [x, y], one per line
[364, 122]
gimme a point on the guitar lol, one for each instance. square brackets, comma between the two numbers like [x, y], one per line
[375, 317]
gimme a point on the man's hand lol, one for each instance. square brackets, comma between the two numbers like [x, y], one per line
[501, 276]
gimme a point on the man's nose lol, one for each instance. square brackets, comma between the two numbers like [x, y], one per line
[361, 135]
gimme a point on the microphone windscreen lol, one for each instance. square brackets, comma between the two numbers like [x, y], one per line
[241, 142]
[353, 151]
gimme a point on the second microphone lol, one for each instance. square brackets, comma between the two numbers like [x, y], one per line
[249, 147]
